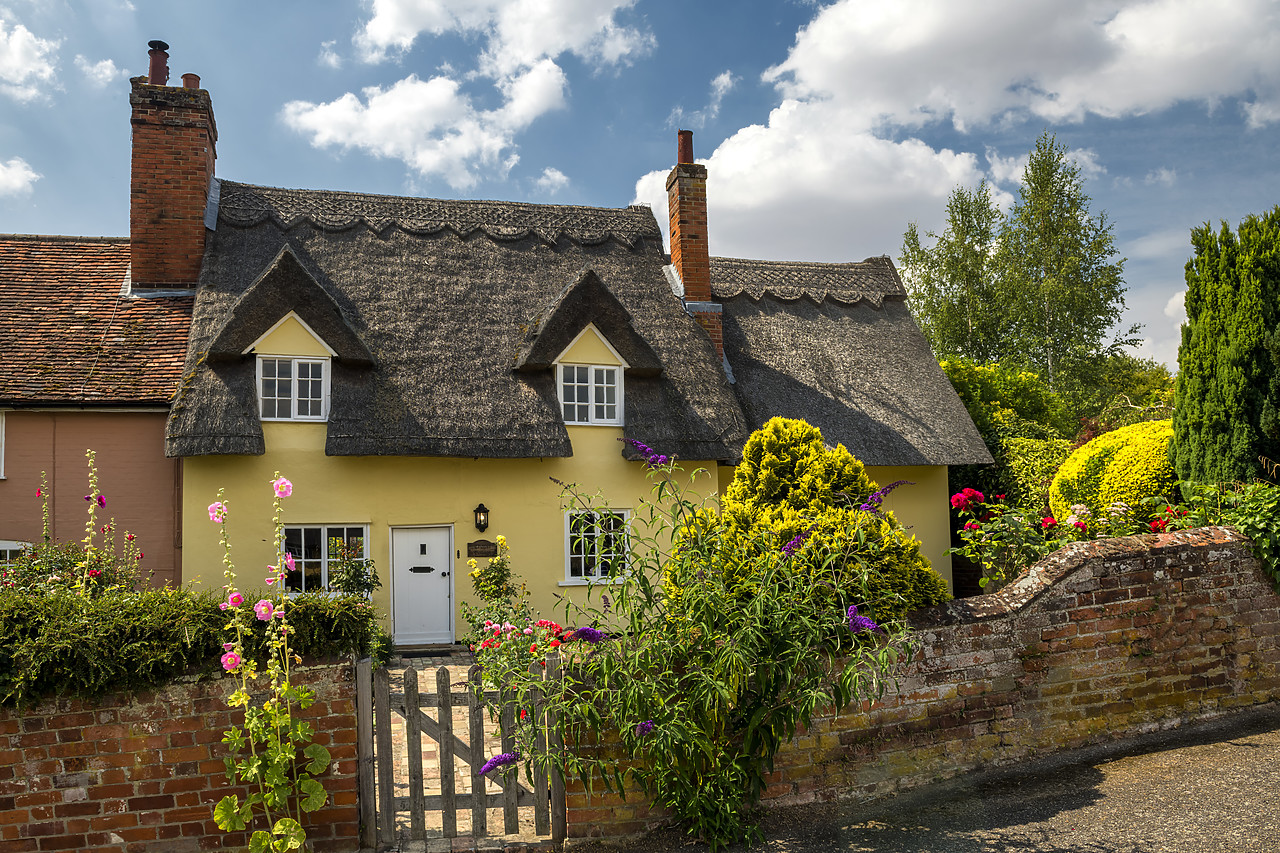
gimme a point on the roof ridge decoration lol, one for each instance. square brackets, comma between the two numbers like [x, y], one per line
[873, 280]
[246, 205]
[286, 286]
[585, 301]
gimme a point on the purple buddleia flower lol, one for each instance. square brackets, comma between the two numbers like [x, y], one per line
[588, 635]
[652, 458]
[858, 624]
[644, 728]
[873, 502]
[500, 760]
[604, 601]
[796, 543]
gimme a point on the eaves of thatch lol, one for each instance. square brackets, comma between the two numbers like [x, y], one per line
[835, 345]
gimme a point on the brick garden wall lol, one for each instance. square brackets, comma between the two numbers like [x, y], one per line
[142, 773]
[1099, 641]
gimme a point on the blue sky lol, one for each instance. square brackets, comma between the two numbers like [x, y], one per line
[826, 127]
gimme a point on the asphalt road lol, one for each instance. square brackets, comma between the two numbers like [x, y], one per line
[1200, 789]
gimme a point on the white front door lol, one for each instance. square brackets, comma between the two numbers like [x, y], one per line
[422, 585]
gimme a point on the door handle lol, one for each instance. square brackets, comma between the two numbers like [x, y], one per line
[444, 574]
[422, 570]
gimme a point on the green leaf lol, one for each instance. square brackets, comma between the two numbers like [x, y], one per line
[290, 832]
[259, 841]
[319, 756]
[227, 814]
[314, 795]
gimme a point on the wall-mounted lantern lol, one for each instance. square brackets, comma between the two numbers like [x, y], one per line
[482, 518]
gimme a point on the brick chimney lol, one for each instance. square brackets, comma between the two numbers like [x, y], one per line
[687, 207]
[173, 153]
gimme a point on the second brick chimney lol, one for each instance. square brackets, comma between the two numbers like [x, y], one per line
[687, 207]
[174, 139]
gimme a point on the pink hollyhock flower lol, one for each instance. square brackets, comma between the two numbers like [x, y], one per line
[39, 493]
[218, 511]
[222, 605]
[230, 661]
[263, 609]
[226, 647]
[288, 561]
[129, 536]
[235, 599]
[102, 502]
[283, 487]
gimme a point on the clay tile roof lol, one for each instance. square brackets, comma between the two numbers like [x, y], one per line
[67, 336]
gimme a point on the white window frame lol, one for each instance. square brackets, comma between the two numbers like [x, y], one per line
[585, 579]
[294, 361]
[324, 558]
[10, 548]
[593, 402]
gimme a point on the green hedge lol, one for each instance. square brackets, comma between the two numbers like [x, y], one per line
[58, 643]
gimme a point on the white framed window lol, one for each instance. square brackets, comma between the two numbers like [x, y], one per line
[315, 549]
[11, 550]
[590, 393]
[595, 544]
[293, 389]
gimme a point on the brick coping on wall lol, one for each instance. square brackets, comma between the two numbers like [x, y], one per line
[141, 773]
[1099, 641]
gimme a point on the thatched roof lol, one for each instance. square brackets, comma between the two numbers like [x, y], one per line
[834, 344]
[448, 298]
[70, 333]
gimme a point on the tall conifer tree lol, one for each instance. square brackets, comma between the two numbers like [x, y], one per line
[1227, 411]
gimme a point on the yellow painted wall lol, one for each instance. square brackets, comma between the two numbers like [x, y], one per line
[923, 507]
[589, 348]
[290, 338]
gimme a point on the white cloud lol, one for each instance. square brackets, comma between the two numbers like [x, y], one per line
[1163, 176]
[1159, 245]
[99, 74]
[27, 62]
[1176, 308]
[431, 125]
[721, 85]
[328, 57]
[17, 177]
[517, 33]
[813, 185]
[552, 181]
[1006, 170]
[974, 61]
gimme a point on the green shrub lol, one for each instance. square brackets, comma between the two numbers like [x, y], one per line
[1129, 465]
[1032, 463]
[789, 485]
[61, 642]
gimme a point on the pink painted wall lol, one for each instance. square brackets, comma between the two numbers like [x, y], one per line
[141, 486]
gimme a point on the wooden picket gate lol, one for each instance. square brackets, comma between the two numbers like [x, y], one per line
[401, 786]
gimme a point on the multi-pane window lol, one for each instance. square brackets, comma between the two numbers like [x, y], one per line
[315, 550]
[597, 546]
[292, 388]
[590, 394]
[11, 550]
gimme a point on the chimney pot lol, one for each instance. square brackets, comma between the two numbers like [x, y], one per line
[190, 81]
[684, 146]
[158, 75]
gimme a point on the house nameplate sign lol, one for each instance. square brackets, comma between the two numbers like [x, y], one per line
[482, 548]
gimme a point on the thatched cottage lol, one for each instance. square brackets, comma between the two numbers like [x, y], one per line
[421, 370]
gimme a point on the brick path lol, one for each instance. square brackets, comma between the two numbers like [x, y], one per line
[459, 663]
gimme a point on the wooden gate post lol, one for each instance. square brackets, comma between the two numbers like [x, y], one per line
[364, 754]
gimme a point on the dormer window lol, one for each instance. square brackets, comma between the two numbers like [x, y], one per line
[293, 389]
[591, 393]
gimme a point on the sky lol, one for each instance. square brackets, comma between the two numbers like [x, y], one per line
[826, 127]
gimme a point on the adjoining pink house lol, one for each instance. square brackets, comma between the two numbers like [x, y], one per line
[93, 334]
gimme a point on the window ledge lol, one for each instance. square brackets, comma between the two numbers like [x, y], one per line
[589, 582]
